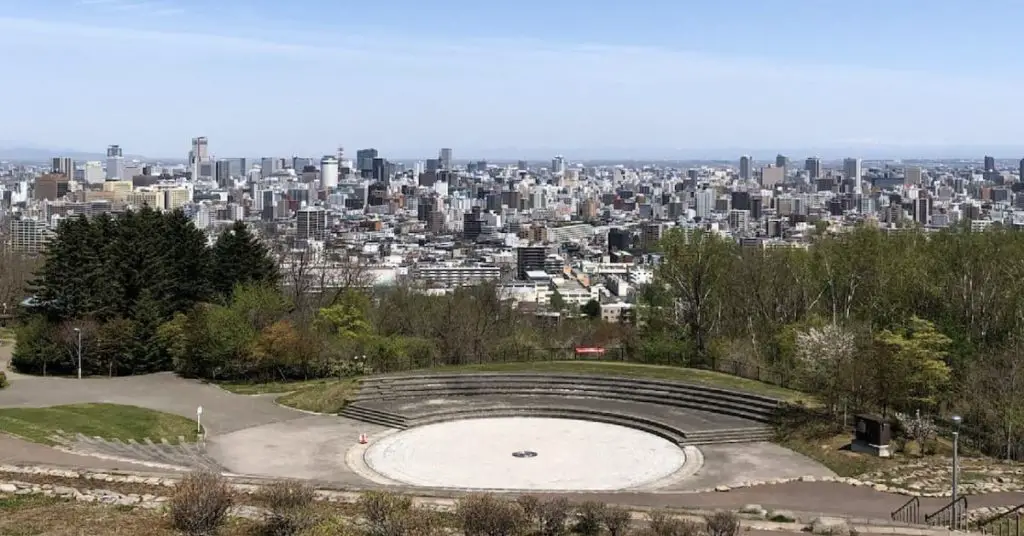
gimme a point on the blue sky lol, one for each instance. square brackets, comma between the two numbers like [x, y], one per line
[506, 79]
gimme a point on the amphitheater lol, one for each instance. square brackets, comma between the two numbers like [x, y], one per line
[631, 441]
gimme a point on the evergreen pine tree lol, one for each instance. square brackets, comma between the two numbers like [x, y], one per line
[239, 257]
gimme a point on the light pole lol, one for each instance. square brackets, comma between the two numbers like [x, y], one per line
[78, 332]
[956, 468]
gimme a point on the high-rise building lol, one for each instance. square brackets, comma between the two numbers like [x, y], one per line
[704, 203]
[328, 172]
[745, 167]
[50, 187]
[269, 166]
[781, 161]
[912, 175]
[852, 171]
[311, 223]
[813, 167]
[772, 176]
[198, 155]
[558, 165]
[115, 163]
[65, 166]
[445, 156]
[364, 161]
[1022, 169]
[528, 259]
[990, 164]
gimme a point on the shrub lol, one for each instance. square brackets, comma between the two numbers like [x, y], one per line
[722, 524]
[386, 514]
[665, 524]
[289, 508]
[554, 513]
[199, 504]
[486, 515]
[617, 520]
[531, 508]
[589, 518]
[3, 379]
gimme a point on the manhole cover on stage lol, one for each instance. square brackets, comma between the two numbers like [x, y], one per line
[474, 454]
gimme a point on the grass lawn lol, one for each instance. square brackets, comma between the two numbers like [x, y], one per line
[108, 421]
[35, 514]
[331, 396]
[325, 397]
[269, 387]
[831, 453]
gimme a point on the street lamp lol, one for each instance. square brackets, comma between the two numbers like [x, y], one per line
[956, 467]
[78, 332]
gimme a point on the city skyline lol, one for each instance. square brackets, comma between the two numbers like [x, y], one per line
[494, 82]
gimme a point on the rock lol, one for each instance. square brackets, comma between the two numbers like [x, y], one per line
[23, 491]
[754, 509]
[723, 488]
[85, 498]
[782, 516]
[808, 479]
[830, 526]
[8, 488]
[64, 491]
[881, 487]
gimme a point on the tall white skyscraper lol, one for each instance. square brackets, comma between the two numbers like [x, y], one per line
[198, 155]
[115, 163]
[704, 203]
[558, 165]
[328, 172]
[852, 170]
[445, 155]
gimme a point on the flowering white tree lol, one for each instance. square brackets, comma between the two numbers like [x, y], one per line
[823, 352]
[916, 427]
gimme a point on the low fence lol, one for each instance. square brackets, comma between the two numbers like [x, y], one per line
[414, 361]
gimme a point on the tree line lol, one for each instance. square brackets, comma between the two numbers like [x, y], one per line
[868, 319]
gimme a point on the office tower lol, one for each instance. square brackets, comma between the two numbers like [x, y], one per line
[558, 165]
[198, 155]
[50, 187]
[65, 166]
[222, 173]
[745, 166]
[813, 167]
[912, 175]
[852, 171]
[704, 203]
[269, 166]
[990, 164]
[328, 172]
[472, 224]
[781, 161]
[1022, 169]
[93, 172]
[379, 170]
[521, 165]
[445, 156]
[530, 258]
[772, 176]
[311, 223]
[115, 163]
[364, 161]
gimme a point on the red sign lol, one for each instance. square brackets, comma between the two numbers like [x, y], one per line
[589, 350]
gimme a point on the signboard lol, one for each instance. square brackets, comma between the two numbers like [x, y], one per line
[589, 350]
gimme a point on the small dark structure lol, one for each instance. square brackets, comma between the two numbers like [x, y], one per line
[872, 435]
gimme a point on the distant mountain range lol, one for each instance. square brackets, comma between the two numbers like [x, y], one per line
[27, 153]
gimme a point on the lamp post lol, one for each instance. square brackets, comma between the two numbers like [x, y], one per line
[956, 468]
[78, 332]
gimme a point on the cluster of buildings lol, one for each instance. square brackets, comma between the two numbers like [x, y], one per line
[537, 229]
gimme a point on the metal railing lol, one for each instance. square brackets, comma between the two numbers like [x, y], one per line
[909, 513]
[953, 515]
[1004, 524]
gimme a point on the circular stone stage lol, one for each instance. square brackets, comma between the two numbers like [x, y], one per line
[525, 453]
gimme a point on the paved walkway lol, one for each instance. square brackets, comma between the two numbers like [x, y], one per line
[223, 412]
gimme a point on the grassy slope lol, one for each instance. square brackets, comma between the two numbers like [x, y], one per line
[108, 421]
[331, 397]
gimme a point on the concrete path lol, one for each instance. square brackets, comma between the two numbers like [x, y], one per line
[223, 412]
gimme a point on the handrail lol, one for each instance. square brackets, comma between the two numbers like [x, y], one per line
[910, 512]
[998, 522]
[953, 515]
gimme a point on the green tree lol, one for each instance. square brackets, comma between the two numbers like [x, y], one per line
[239, 257]
[691, 272]
[348, 316]
[557, 301]
[592, 309]
[910, 366]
